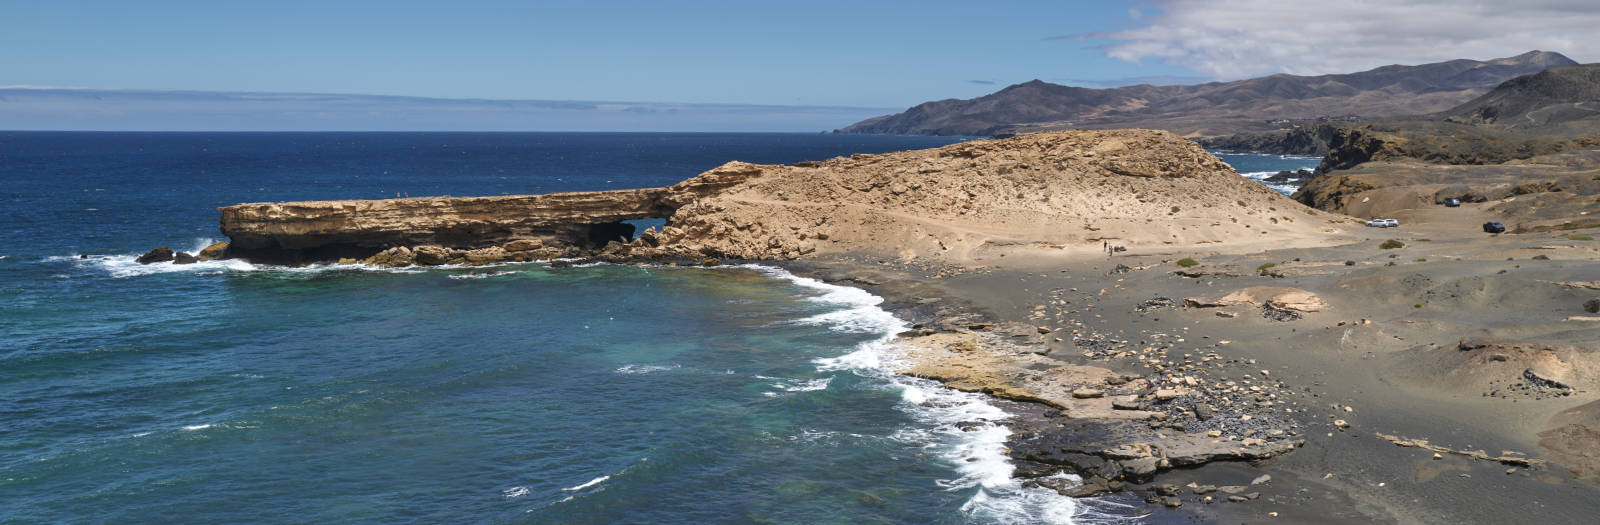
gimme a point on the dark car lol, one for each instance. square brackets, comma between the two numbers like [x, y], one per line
[1494, 227]
[1452, 203]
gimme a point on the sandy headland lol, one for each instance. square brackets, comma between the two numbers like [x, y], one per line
[1170, 332]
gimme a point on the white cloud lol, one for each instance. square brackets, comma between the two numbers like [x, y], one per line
[1241, 38]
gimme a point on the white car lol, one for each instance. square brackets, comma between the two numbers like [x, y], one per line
[1383, 223]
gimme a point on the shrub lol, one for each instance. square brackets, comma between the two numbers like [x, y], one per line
[1264, 267]
[1391, 244]
[1174, 209]
[1420, 260]
[1580, 237]
[1418, 305]
[1349, 263]
[1187, 262]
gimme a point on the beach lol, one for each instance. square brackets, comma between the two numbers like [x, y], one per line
[1372, 366]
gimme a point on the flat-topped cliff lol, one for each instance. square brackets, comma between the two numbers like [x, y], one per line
[1070, 192]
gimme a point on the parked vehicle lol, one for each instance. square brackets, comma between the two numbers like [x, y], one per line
[1494, 227]
[1452, 203]
[1383, 223]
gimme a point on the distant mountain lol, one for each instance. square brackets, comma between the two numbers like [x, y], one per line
[1216, 108]
[58, 109]
[1553, 96]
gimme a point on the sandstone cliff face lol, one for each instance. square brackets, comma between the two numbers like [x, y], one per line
[1055, 192]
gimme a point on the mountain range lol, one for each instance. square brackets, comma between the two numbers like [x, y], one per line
[1217, 108]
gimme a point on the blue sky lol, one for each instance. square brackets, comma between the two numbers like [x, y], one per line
[751, 61]
[851, 53]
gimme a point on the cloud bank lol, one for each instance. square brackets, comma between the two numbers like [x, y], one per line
[1229, 39]
[45, 108]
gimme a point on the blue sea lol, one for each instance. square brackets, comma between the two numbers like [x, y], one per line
[1259, 166]
[522, 393]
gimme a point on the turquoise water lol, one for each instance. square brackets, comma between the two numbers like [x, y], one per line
[226, 392]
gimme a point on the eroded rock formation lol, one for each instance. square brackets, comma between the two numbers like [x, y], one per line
[1056, 192]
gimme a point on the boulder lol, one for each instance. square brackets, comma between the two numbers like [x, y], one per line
[214, 252]
[184, 258]
[492, 254]
[430, 255]
[396, 256]
[155, 256]
[1088, 393]
[522, 245]
[1592, 306]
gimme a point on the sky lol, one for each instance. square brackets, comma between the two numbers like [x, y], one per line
[694, 65]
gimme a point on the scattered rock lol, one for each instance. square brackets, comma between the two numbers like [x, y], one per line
[1264, 478]
[1088, 393]
[214, 252]
[184, 258]
[155, 256]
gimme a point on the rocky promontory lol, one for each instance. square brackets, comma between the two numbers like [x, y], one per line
[1055, 192]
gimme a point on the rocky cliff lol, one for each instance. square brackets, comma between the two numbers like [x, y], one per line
[1056, 192]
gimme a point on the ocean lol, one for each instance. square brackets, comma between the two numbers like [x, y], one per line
[230, 392]
[1259, 166]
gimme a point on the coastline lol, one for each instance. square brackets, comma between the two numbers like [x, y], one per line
[1347, 471]
[1237, 355]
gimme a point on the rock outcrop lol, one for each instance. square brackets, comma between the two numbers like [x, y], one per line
[1056, 192]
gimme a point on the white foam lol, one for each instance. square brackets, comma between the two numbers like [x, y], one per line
[198, 427]
[1260, 176]
[645, 369]
[590, 483]
[481, 275]
[978, 453]
[806, 386]
[516, 492]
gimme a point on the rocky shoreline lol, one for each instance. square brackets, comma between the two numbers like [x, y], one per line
[1116, 431]
[1158, 325]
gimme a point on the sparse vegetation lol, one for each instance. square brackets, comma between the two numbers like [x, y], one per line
[1174, 209]
[1349, 263]
[1264, 267]
[1424, 240]
[1580, 237]
[1391, 244]
[1418, 305]
[1420, 260]
[1187, 262]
